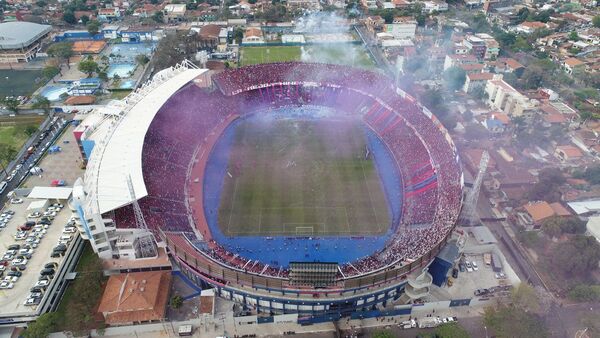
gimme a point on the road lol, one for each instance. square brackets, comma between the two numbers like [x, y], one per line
[19, 175]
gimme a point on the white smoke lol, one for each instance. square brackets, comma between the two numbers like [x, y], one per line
[330, 39]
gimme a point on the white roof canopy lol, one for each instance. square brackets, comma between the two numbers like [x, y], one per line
[56, 193]
[122, 157]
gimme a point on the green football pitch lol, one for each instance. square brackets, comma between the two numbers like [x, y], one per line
[321, 53]
[301, 178]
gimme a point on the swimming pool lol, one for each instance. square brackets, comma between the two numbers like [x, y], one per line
[127, 84]
[53, 93]
[121, 69]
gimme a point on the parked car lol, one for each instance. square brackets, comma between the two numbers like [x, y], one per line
[51, 265]
[14, 247]
[16, 201]
[15, 273]
[475, 267]
[69, 230]
[49, 214]
[35, 214]
[33, 301]
[455, 273]
[469, 267]
[47, 272]
[6, 285]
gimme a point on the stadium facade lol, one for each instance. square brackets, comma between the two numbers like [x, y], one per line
[152, 150]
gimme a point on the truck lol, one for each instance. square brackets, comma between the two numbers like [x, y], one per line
[487, 259]
[185, 330]
[429, 322]
[496, 263]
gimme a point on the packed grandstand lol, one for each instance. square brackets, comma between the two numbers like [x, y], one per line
[178, 144]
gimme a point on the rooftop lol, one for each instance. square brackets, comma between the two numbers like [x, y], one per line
[18, 34]
[539, 211]
[135, 297]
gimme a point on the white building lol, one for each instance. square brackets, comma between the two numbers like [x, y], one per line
[504, 97]
[20, 41]
[435, 6]
[402, 28]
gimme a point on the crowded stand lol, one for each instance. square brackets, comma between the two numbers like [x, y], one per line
[180, 138]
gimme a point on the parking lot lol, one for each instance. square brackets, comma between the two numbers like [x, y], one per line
[63, 165]
[13, 299]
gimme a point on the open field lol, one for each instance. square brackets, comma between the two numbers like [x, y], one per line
[301, 177]
[19, 82]
[14, 131]
[345, 54]
[256, 55]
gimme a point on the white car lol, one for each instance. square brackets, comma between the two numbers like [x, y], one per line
[18, 167]
[475, 267]
[42, 283]
[49, 213]
[10, 279]
[7, 257]
[16, 201]
[6, 216]
[19, 261]
[32, 240]
[469, 266]
[25, 251]
[66, 238]
[69, 230]
[36, 214]
[6, 285]
[57, 205]
[20, 236]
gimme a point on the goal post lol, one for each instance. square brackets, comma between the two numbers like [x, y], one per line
[305, 230]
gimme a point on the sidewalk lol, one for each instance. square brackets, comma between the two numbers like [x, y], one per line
[220, 327]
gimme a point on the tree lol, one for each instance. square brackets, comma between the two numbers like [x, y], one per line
[176, 302]
[41, 3]
[596, 21]
[451, 330]
[41, 102]
[7, 153]
[507, 321]
[238, 35]
[525, 297]
[383, 334]
[30, 130]
[12, 104]
[84, 19]
[62, 51]
[546, 189]
[585, 293]
[50, 72]
[574, 36]
[454, 78]
[93, 27]
[88, 66]
[42, 326]
[158, 17]
[69, 18]
[578, 256]
[142, 59]
[591, 174]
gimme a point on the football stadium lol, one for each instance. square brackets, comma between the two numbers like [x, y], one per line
[303, 188]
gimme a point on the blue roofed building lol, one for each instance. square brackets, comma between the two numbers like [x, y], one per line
[87, 86]
[443, 262]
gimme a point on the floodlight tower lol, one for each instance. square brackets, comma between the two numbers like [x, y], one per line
[137, 211]
[470, 206]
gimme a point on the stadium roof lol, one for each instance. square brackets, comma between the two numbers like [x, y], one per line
[122, 157]
[18, 34]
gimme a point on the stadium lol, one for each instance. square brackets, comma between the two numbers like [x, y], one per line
[303, 188]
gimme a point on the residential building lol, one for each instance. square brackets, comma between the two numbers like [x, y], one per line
[135, 34]
[135, 298]
[529, 27]
[475, 46]
[110, 32]
[435, 6]
[537, 212]
[375, 24]
[571, 64]
[312, 5]
[476, 80]
[504, 97]
[20, 41]
[253, 35]
[454, 60]
[208, 36]
[369, 4]
[402, 28]
[174, 13]
[109, 14]
[567, 153]
[492, 47]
